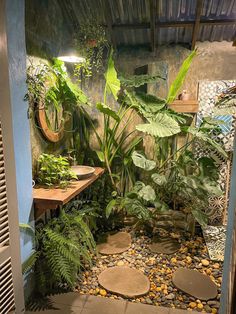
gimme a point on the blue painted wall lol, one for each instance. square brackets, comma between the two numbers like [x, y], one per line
[17, 67]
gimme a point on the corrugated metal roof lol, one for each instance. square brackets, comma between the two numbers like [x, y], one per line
[138, 11]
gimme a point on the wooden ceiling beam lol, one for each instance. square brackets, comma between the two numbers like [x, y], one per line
[153, 7]
[174, 24]
[196, 26]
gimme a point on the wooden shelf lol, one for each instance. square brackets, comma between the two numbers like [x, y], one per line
[185, 106]
[45, 199]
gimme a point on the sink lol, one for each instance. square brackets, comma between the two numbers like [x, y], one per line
[83, 172]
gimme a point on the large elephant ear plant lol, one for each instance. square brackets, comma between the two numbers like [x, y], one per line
[177, 179]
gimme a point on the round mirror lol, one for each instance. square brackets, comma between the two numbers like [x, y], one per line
[51, 122]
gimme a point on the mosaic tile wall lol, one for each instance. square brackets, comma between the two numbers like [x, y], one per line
[207, 95]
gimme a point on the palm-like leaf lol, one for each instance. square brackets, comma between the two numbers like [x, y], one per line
[178, 82]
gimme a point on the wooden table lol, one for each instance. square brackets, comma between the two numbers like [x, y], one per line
[45, 199]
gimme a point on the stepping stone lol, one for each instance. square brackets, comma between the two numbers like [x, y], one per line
[195, 284]
[124, 281]
[116, 243]
[164, 245]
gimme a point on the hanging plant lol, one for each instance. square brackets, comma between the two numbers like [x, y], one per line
[52, 96]
[91, 41]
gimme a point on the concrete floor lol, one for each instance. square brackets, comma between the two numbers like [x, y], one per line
[74, 303]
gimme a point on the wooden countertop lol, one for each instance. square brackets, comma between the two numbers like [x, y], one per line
[45, 199]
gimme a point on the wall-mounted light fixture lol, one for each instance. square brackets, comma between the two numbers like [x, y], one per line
[68, 54]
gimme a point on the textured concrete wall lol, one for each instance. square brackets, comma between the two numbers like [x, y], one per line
[46, 27]
[214, 61]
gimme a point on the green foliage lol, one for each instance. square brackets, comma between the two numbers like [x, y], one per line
[178, 82]
[142, 162]
[148, 105]
[162, 126]
[147, 193]
[54, 171]
[159, 179]
[112, 81]
[91, 42]
[226, 102]
[63, 246]
[30, 262]
[202, 135]
[106, 110]
[51, 84]
[117, 142]
[138, 80]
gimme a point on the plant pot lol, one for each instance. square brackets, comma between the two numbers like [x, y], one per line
[92, 43]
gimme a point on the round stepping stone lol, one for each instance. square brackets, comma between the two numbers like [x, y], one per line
[114, 243]
[195, 284]
[124, 281]
[164, 245]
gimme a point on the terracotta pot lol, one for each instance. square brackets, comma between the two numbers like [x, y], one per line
[92, 43]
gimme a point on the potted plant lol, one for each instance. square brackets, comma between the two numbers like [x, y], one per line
[91, 41]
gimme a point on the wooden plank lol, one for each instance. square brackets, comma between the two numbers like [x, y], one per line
[45, 199]
[153, 7]
[197, 23]
[185, 106]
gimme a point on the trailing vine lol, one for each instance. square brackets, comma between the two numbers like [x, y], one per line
[91, 41]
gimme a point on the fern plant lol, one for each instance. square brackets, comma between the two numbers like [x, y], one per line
[62, 249]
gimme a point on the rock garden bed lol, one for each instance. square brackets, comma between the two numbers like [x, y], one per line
[159, 268]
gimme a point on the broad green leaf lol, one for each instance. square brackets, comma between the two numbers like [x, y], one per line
[100, 155]
[140, 161]
[178, 82]
[110, 207]
[79, 94]
[112, 81]
[159, 179]
[148, 105]
[147, 193]
[213, 121]
[200, 216]
[163, 126]
[207, 168]
[206, 138]
[139, 80]
[217, 146]
[134, 207]
[107, 111]
[160, 205]
[211, 188]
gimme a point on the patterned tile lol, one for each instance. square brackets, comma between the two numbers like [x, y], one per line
[207, 96]
[215, 237]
